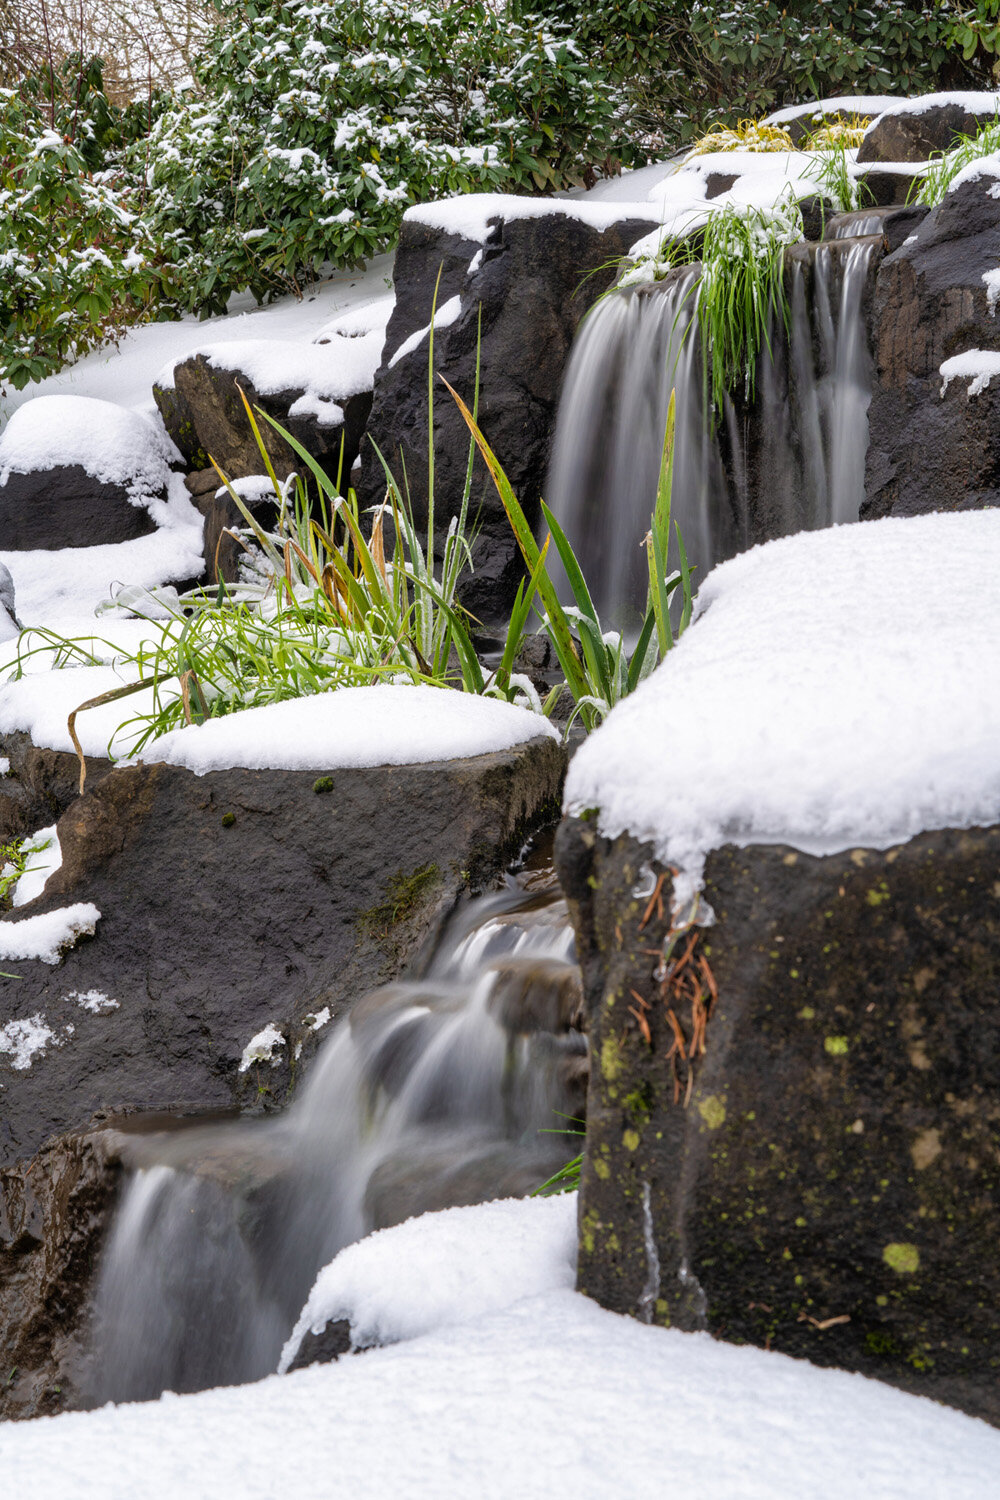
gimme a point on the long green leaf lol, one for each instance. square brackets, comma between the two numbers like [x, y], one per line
[636, 665]
[577, 582]
[519, 620]
[558, 624]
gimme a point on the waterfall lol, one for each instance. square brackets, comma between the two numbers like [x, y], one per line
[448, 1089]
[791, 460]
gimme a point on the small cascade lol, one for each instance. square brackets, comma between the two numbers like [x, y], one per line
[791, 460]
[444, 1090]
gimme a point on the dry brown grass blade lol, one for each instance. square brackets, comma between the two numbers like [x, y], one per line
[655, 901]
[378, 545]
[102, 698]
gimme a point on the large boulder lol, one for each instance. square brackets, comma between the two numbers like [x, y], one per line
[513, 278]
[77, 472]
[919, 128]
[808, 1161]
[239, 912]
[320, 392]
[782, 867]
[935, 445]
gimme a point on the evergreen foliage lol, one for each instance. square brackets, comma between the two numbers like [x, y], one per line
[682, 64]
[311, 125]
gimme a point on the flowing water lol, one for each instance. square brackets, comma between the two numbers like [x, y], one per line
[793, 460]
[434, 1091]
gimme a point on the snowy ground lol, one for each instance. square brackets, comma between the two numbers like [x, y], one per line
[510, 1386]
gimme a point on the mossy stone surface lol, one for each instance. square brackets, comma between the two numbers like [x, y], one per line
[830, 1187]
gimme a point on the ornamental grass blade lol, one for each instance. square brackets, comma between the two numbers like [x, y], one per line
[636, 670]
[102, 698]
[659, 593]
[574, 573]
[558, 624]
[519, 620]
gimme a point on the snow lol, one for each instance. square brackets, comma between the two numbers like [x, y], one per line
[991, 280]
[517, 1388]
[262, 1047]
[21, 1040]
[865, 105]
[40, 704]
[470, 214]
[96, 1001]
[75, 580]
[444, 317]
[975, 102]
[975, 170]
[38, 866]
[442, 1269]
[817, 707]
[326, 374]
[125, 374]
[354, 726]
[44, 937]
[116, 446]
[977, 366]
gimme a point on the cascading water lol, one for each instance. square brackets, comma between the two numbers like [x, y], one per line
[793, 460]
[445, 1090]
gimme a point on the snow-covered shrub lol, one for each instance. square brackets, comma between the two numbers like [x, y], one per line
[681, 64]
[320, 121]
[75, 257]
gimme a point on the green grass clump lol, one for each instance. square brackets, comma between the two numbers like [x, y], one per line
[944, 167]
[16, 857]
[742, 290]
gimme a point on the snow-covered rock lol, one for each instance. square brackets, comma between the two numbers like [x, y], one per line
[75, 472]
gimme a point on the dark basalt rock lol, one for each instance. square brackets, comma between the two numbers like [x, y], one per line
[823, 1179]
[67, 507]
[320, 1348]
[39, 786]
[915, 137]
[53, 1210]
[222, 551]
[204, 414]
[928, 452]
[524, 291]
[898, 225]
[235, 900]
[885, 187]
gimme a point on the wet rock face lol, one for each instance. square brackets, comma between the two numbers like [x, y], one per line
[232, 903]
[204, 414]
[929, 451]
[528, 284]
[53, 1210]
[67, 507]
[822, 1178]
